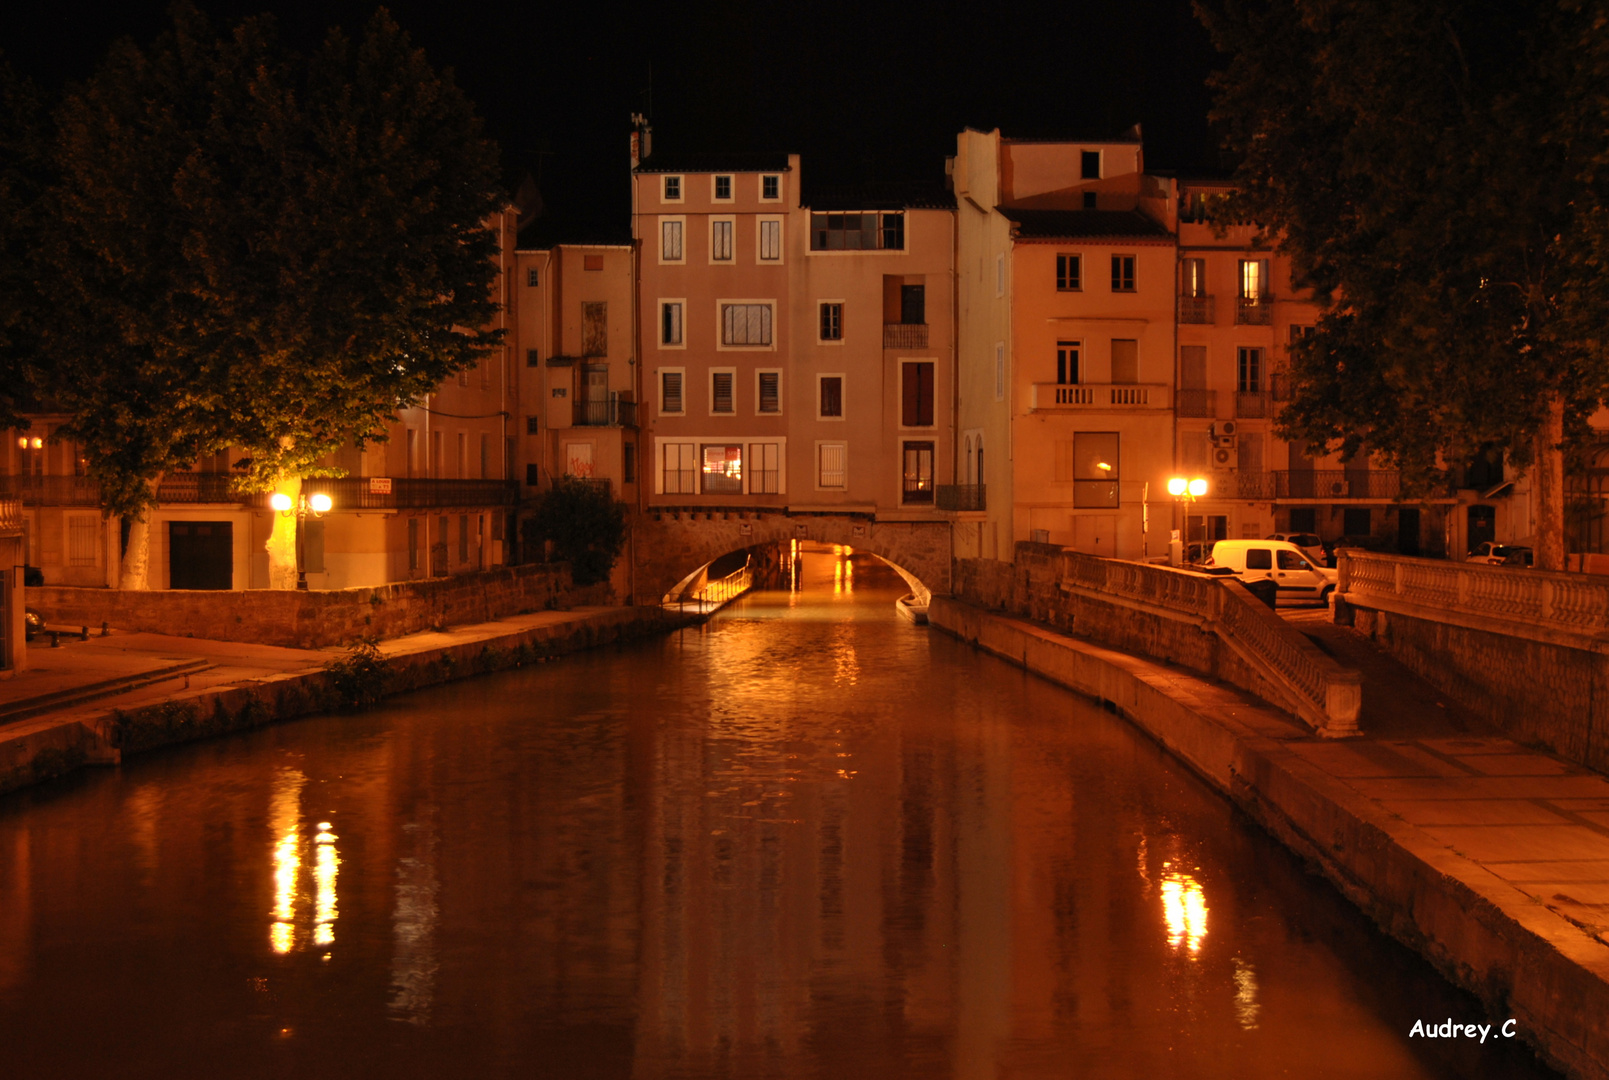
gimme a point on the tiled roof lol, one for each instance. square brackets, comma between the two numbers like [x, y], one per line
[1056, 224]
[715, 163]
[894, 195]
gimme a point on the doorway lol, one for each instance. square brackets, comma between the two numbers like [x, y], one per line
[201, 555]
[1408, 530]
[1482, 526]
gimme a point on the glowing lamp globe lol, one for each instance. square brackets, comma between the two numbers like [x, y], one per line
[320, 503]
[280, 501]
[1198, 488]
[1176, 486]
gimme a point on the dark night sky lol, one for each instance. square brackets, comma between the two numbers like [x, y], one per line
[862, 90]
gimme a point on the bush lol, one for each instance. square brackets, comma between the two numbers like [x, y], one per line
[361, 677]
[586, 526]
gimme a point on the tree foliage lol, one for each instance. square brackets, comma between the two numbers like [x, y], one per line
[1434, 168]
[587, 528]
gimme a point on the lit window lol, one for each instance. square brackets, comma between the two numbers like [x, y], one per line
[918, 473]
[723, 470]
[1095, 469]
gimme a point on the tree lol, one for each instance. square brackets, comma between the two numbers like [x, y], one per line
[586, 525]
[1427, 166]
[298, 246]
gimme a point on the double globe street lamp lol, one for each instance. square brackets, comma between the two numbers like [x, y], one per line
[1185, 491]
[318, 504]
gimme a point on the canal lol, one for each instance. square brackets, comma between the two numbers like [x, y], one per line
[804, 840]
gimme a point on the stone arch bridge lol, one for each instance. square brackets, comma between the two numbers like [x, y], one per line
[669, 545]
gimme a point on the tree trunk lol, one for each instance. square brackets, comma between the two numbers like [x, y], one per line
[282, 541]
[1548, 487]
[136, 565]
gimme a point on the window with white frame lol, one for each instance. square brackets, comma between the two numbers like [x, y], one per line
[672, 191]
[532, 279]
[832, 465]
[721, 239]
[771, 188]
[672, 401]
[832, 320]
[723, 189]
[1122, 273]
[1069, 273]
[722, 392]
[768, 392]
[770, 239]
[765, 468]
[1249, 377]
[670, 240]
[83, 539]
[869, 231]
[670, 323]
[722, 468]
[746, 325]
[829, 397]
[679, 471]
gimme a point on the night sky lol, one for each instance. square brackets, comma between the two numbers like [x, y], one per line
[864, 91]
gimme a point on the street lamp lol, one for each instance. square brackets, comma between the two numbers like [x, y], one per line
[1184, 491]
[318, 504]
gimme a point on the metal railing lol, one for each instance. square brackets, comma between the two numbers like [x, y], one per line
[51, 490]
[714, 595]
[1098, 396]
[905, 335]
[1246, 484]
[918, 491]
[1337, 484]
[615, 411]
[358, 493]
[1196, 309]
[1198, 403]
[961, 497]
[198, 488]
[1254, 310]
[1251, 404]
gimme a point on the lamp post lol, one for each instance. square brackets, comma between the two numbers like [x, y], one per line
[318, 504]
[1184, 491]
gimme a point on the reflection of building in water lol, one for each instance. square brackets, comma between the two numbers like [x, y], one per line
[16, 908]
[413, 922]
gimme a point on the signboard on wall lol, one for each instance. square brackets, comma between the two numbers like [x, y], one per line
[379, 485]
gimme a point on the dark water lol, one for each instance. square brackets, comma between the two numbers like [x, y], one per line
[807, 840]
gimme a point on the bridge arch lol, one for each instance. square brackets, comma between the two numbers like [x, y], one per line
[669, 545]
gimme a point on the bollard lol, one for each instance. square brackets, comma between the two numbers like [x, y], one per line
[83, 633]
[55, 639]
[106, 629]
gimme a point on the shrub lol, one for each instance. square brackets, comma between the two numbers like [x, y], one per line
[361, 677]
[587, 528]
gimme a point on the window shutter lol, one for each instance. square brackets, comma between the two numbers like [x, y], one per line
[911, 413]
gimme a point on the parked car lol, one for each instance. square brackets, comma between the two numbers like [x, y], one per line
[1492, 553]
[33, 623]
[1279, 561]
[1311, 546]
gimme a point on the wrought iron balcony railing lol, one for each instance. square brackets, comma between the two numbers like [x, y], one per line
[615, 411]
[1338, 484]
[363, 493]
[1196, 309]
[1254, 310]
[1251, 404]
[904, 335]
[1196, 403]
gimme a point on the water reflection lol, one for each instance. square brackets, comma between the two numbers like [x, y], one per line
[1184, 907]
[324, 871]
[285, 817]
[413, 924]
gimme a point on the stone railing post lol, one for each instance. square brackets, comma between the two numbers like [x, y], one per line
[1396, 578]
[1343, 702]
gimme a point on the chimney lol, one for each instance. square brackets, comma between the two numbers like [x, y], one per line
[642, 139]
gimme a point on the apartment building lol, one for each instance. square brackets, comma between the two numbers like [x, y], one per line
[1066, 309]
[797, 345]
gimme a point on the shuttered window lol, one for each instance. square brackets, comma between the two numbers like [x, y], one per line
[917, 394]
[832, 472]
[745, 324]
[770, 240]
[670, 392]
[721, 391]
[770, 396]
[670, 241]
[721, 241]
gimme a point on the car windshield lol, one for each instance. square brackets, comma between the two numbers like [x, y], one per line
[1305, 540]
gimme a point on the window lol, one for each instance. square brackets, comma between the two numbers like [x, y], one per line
[670, 322]
[595, 328]
[628, 463]
[721, 240]
[1253, 279]
[485, 457]
[533, 475]
[680, 474]
[531, 279]
[673, 189]
[1250, 370]
[1090, 202]
[1125, 360]
[723, 188]
[1357, 521]
[83, 539]
[832, 322]
[670, 241]
[831, 397]
[768, 392]
[1193, 278]
[531, 426]
[463, 455]
[670, 393]
[1095, 469]
[770, 188]
[1297, 333]
[533, 358]
[721, 391]
[592, 262]
[871, 231]
[1259, 559]
[1089, 165]
[1067, 362]
[831, 467]
[463, 538]
[913, 304]
[770, 239]
[918, 473]
[1069, 273]
[1122, 273]
[746, 324]
[1290, 560]
[916, 393]
[999, 371]
[723, 470]
[413, 542]
[765, 471]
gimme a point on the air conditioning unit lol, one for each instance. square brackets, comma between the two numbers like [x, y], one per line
[1225, 442]
[1224, 459]
[1226, 427]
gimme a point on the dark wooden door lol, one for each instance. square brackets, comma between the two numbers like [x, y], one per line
[201, 555]
[1408, 530]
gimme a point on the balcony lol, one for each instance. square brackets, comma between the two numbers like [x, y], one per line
[1245, 484]
[960, 497]
[1196, 309]
[10, 517]
[1251, 404]
[197, 488]
[51, 490]
[905, 335]
[615, 411]
[1280, 383]
[1255, 310]
[358, 493]
[1336, 484]
[1196, 403]
[1091, 397]
[918, 491]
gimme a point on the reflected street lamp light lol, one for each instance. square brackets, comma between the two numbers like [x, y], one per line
[318, 504]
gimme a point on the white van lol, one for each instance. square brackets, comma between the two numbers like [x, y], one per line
[1280, 561]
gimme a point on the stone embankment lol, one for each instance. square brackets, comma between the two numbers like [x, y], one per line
[238, 687]
[1464, 845]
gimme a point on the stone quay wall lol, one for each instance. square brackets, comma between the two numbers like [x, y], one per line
[1207, 624]
[319, 617]
[1526, 649]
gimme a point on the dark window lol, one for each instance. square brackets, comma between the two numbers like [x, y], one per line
[670, 324]
[595, 328]
[628, 463]
[1095, 469]
[723, 470]
[869, 231]
[531, 425]
[832, 395]
[670, 383]
[531, 277]
[832, 322]
[1251, 370]
[721, 392]
[770, 399]
[1259, 559]
[1069, 273]
[1122, 273]
[201, 554]
[917, 395]
[1067, 362]
[532, 358]
[1485, 469]
[413, 537]
[770, 187]
[723, 187]
[673, 187]
[918, 473]
[912, 304]
[1090, 162]
[1304, 519]
[592, 262]
[1357, 521]
[1089, 200]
